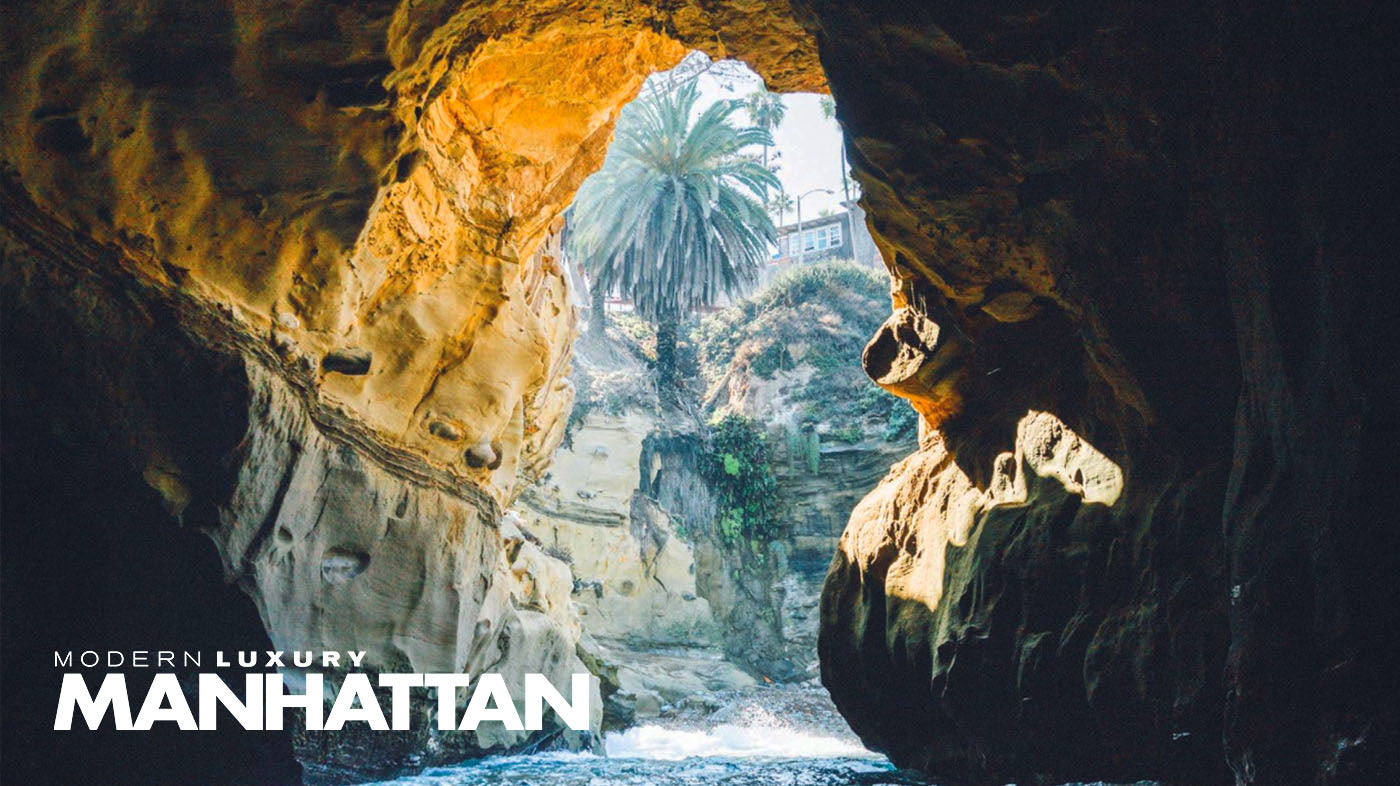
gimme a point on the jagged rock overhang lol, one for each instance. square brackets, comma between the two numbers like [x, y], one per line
[364, 187]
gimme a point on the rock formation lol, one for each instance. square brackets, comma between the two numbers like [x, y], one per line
[663, 590]
[781, 360]
[306, 235]
[1161, 226]
[342, 542]
[343, 208]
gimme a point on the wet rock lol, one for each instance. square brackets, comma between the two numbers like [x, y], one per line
[645, 703]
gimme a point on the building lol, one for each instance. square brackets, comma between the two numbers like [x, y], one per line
[836, 236]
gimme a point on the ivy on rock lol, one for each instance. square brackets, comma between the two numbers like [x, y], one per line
[735, 461]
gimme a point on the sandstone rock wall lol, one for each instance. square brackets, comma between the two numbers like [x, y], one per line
[651, 634]
[365, 182]
[633, 583]
[351, 202]
[342, 542]
[1160, 226]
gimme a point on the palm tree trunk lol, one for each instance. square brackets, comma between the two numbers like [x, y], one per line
[666, 329]
[597, 310]
[765, 185]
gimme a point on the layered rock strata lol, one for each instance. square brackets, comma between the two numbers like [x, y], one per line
[343, 543]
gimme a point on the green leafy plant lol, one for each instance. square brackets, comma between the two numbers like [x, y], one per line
[731, 464]
[736, 463]
[903, 422]
[850, 433]
[773, 358]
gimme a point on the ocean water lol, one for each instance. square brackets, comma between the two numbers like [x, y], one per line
[760, 737]
[724, 755]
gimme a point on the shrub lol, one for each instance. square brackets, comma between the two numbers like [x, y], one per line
[737, 465]
[904, 421]
[850, 433]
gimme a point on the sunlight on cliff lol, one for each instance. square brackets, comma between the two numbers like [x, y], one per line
[928, 503]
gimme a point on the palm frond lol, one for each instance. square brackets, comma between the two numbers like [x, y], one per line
[673, 217]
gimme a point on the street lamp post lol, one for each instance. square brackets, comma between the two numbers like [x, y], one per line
[801, 246]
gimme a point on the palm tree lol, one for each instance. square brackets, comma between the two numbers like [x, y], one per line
[671, 219]
[780, 204]
[766, 110]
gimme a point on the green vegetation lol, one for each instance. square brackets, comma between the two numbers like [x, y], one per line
[766, 111]
[638, 336]
[849, 433]
[672, 218]
[821, 316]
[737, 465]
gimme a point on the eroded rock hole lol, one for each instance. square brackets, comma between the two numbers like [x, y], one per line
[341, 564]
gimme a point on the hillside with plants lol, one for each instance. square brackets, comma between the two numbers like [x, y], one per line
[787, 353]
[795, 434]
[734, 488]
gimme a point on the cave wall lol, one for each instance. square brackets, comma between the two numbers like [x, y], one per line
[1164, 226]
[302, 530]
[94, 559]
[349, 203]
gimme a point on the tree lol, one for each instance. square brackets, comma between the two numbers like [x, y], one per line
[766, 111]
[671, 219]
[692, 67]
[781, 204]
[597, 310]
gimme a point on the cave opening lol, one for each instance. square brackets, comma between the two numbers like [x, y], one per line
[702, 484]
[768, 397]
[1166, 227]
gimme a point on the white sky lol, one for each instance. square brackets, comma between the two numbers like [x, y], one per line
[809, 145]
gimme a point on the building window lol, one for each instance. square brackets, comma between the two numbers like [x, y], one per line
[821, 239]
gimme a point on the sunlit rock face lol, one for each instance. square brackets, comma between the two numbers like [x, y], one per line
[352, 206]
[359, 182]
[1160, 226]
[634, 583]
[342, 542]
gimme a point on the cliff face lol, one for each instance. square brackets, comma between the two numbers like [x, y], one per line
[664, 559]
[1168, 228]
[652, 634]
[781, 359]
[1159, 226]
